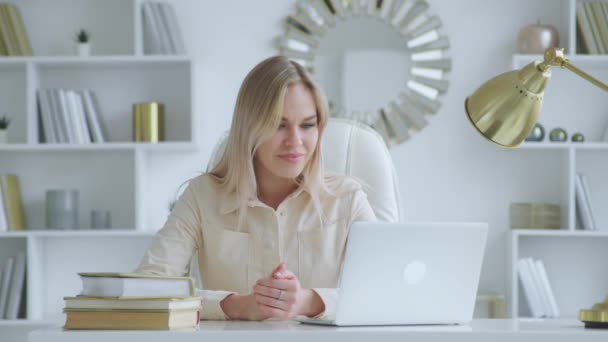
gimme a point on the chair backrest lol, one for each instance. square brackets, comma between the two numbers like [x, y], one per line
[354, 149]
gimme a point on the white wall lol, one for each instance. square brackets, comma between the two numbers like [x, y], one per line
[447, 172]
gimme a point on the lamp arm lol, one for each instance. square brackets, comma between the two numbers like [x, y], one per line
[586, 76]
[555, 56]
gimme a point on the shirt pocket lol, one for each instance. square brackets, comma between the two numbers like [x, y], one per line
[320, 254]
[225, 259]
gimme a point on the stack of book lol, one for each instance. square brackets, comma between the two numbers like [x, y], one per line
[592, 22]
[537, 288]
[118, 301]
[69, 116]
[12, 281]
[11, 207]
[162, 35]
[584, 208]
[13, 37]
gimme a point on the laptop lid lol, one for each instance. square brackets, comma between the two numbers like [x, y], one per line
[410, 273]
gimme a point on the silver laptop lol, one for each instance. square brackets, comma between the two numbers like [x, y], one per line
[409, 273]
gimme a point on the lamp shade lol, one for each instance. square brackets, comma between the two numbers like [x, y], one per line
[505, 108]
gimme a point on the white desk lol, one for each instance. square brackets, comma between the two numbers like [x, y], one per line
[495, 330]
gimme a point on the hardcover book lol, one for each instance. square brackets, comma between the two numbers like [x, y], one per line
[135, 285]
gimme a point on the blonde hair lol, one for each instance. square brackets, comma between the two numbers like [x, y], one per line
[256, 118]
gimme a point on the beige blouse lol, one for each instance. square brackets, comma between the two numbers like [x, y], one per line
[231, 261]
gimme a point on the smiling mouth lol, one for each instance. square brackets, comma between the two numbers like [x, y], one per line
[291, 157]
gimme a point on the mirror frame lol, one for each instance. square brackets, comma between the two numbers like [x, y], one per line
[427, 81]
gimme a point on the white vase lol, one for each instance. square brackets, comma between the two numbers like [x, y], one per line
[3, 136]
[83, 49]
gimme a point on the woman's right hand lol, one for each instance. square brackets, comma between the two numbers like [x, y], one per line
[243, 307]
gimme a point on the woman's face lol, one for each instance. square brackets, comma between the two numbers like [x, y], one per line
[287, 153]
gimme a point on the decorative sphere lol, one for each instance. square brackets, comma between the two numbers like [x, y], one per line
[536, 38]
[558, 134]
[537, 133]
[578, 137]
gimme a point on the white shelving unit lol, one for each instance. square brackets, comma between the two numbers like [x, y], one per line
[111, 175]
[576, 260]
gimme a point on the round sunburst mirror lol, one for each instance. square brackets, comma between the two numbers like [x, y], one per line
[381, 62]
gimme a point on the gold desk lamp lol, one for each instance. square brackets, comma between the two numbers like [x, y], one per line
[505, 109]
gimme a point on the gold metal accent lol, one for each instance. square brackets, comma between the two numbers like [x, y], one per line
[148, 122]
[505, 108]
[597, 316]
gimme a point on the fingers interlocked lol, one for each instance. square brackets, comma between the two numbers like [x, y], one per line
[273, 297]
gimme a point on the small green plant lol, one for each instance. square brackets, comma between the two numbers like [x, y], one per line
[4, 122]
[82, 36]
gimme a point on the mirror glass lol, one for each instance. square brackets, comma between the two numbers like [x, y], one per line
[362, 64]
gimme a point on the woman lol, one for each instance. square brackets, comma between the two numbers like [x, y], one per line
[269, 226]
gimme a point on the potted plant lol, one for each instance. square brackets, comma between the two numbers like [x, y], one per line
[83, 44]
[4, 122]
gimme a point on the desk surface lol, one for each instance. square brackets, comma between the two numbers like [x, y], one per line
[479, 330]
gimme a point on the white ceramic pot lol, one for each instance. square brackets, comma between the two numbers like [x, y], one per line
[83, 49]
[3, 136]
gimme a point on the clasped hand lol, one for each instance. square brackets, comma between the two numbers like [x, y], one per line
[278, 296]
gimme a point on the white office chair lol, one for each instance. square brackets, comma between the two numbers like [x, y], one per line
[357, 150]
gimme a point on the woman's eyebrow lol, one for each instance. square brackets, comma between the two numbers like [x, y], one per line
[306, 119]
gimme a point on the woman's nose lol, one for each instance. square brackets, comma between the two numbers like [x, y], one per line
[294, 137]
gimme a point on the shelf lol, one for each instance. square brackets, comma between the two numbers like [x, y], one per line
[28, 322]
[559, 233]
[564, 145]
[77, 233]
[546, 145]
[92, 60]
[112, 146]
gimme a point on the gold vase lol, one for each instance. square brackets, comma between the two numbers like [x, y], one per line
[148, 122]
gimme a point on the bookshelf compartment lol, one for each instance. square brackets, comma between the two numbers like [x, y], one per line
[113, 173]
[13, 99]
[109, 22]
[119, 84]
[537, 176]
[576, 268]
[594, 165]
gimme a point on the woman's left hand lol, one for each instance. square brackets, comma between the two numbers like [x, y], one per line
[281, 296]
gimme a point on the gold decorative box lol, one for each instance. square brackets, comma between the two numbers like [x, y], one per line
[535, 216]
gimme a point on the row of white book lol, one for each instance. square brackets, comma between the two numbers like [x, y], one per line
[69, 116]
[12, 281]
[537, 288]
[584, 207]
[592, 20]
[162, 35]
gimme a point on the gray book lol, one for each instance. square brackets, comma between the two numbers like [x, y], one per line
[150, 28]
[582, 206]
[94, 122]
[163, 31]
[175, 35]
[4, 286]
[16, 288]
[46, 119]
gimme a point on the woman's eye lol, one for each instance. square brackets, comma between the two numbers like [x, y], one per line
[309, 125]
